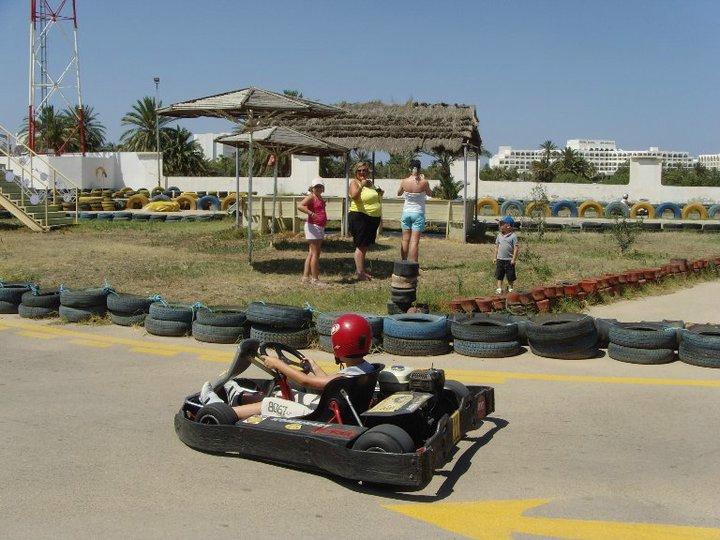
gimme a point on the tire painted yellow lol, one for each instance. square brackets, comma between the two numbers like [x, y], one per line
[136, 202]
[488, 202]
[591, 205]
[694, 208]
[534, 207]
[186, 202]
[642, 205]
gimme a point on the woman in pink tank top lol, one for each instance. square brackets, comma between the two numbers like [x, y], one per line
[314, 206]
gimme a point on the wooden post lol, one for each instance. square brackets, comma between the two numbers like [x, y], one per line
[262, 223]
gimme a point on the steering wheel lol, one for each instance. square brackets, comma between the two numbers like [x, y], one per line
[280, 349]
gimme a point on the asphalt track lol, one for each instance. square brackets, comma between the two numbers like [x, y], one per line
[584, 449]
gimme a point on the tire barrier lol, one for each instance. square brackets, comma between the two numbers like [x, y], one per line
[663, 208]
[648, 208]
[714, 211]
[127, 309]
[534, 209]
[616, 209]
[565, 336]
[83, 304]
[278, 315]
[136, 202]
[488, 202]
[208, 202]
[485, 336]
[39, 304]
[694, 208]
[403, 286]
[415, 347]
[185, 202]
[512, 207]
[228, 201]
[296, 338]
[11, 296]
[416, 334]
[700, 346]
[564, 205]
[590, 205]
[220, 325]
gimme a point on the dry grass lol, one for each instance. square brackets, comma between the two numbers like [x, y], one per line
[207, 262]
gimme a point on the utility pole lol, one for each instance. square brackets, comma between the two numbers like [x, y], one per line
[157, 130]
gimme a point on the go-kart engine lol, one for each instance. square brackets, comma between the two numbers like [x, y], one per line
[427, 380]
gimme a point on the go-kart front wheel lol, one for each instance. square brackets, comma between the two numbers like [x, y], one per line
[385, 438]
[216, 414]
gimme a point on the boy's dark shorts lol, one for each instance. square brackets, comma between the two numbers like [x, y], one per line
[504, 269]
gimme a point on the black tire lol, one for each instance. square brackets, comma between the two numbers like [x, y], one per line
[708, 329]
[82, 299]
[460, 390]
[7, 308]
[416, 326]
[632, 355]
[397, 308]
[217, 334]
[560, 329]
[603, 330]
[159, 327]
[278, 315]
[221, 316]
[644, 335]
[298, 339]
[481, 327]
[171, 312]
[127, 319]
[403, 295]
[415, 347]
[12, 292]
[479, 349]
[81, 314]
[129, 304]
[700, 349]
[406, 268]
[580, 348]
[216, 414]
[325, 321]
[44, 299]
[385, 438]
[522, 323]
[32, 312]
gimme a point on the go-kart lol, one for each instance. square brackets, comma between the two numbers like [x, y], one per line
[393, 427]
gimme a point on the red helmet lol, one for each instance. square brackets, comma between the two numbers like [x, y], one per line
[351, 336]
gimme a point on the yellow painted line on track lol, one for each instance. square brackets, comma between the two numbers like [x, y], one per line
[468, 376]
[504, 519]
[91, 343]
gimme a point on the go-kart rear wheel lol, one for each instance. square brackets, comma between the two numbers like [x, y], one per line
[385, 438]
[458, 388]
[216, 414]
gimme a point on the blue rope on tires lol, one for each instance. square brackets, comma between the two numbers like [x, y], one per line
[512, 205]
[668, 206]
[564, 205]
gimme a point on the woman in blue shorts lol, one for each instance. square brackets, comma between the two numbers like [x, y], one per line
[415, 188]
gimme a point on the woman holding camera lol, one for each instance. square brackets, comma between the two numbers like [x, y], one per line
[364, 216]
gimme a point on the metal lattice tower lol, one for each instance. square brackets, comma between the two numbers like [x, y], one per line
[53, 27]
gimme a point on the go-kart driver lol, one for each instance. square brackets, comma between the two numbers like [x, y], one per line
[351, 338]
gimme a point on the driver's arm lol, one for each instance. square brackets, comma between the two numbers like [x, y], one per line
[316, 382]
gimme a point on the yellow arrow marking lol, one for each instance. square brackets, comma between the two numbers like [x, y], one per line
[469, 376]
[501, 519]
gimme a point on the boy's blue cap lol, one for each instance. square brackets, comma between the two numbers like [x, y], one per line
[508, 220]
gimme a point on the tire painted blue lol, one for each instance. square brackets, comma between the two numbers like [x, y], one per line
[713, 211]
[664, 207]
[87, 215]
[208, 202]
[512, 204]
[564, 205]
[416, 326]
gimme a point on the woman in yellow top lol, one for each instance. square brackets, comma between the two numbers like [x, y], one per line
[364, 215]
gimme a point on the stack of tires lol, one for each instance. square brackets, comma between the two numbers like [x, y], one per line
[220, 325]
[566, 336]
[83, 305]
[11, 296]
[700, 345]
[289, 325]
[172, 320]
[416, 334]
[127, 309]
[324, 323]
[643, 342]
[485, 336]
[39, 303]
[403, 286]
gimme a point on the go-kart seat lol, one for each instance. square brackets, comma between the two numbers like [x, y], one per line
[334, 408]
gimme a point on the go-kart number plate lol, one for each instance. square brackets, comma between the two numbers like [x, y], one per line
[455, 423]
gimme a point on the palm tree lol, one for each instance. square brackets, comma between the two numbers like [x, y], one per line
[94, 129]
[50, 130]
[182, 156]
[542, 170]
[549, 148]
[448, 188]
[141, 136]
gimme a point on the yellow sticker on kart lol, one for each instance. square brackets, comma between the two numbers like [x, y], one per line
[455, 422]
[393, 403]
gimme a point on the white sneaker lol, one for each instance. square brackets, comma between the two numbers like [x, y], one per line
[498, 291]
[510, 289]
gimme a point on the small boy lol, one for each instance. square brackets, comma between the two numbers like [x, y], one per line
[506, 252]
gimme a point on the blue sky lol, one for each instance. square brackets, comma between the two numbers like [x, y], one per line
[642, 73]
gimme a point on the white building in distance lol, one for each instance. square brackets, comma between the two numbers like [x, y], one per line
[603, 154]
[212, 149]
[711, 161]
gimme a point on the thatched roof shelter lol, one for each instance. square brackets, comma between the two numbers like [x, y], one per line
[410, 127]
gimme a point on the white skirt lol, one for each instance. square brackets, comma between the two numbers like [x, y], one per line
[314, 232]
